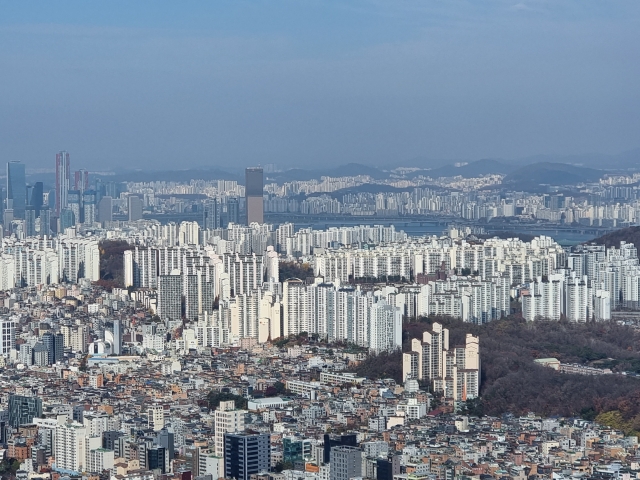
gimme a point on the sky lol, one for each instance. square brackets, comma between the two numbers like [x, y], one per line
[306, 83]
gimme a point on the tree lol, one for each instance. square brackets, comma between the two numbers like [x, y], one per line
[214, 398]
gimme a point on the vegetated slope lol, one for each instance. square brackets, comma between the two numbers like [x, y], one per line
[112, 263]
[512, 382]
[289, 270]
[613, 239]
[531, 177]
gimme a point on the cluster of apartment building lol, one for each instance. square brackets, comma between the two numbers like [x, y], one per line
[48, 261]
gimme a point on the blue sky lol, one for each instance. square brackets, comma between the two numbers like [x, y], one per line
[303, 83]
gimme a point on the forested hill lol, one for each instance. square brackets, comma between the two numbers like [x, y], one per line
[613, 239]
[512, 382]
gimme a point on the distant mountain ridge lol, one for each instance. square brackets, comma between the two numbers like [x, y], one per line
[472, 169]
[533, 177]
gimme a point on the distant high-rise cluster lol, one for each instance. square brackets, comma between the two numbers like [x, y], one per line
[453, 372]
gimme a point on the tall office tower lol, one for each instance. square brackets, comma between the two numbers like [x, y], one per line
[211, 214]
[22, 410]
[36, 197]
[62, 182]
[58, 347]
[135, 208]
[158, 458]
[45, 221]
[170, 296]
[166, 440]
[54, 343]
[227, 420]
[30, 221]
[7, 336]
[81, 180]
[346, 463]
[67, 219]
[16, 189]
[246, 454]
[387, 468]
[233, 211]
[254, 189]
[105, 210]
[89, 206]
[117, 337]
[74, 203]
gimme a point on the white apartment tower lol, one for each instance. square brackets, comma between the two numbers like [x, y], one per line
[227, 419]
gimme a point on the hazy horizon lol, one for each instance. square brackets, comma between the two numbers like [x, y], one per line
[167, 85]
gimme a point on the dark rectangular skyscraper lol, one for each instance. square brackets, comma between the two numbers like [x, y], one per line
[36, 197]
[246, 454]
[16, 189]
[254, 187]
[62, 182]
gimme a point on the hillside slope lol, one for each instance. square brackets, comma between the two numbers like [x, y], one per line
[613, 239]
[531, 177]
[513, 382]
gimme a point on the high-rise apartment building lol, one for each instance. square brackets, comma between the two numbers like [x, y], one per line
[199, 296]
[454, 372]
[155, 417]
[16, 189]
[170, 296]
[245, 455]
[245, 272]
[72, 443]
[62, 181]
[254, 188]
[385, 328]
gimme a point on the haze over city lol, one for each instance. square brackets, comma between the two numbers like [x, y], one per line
[160, 85]
[320, 240]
